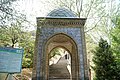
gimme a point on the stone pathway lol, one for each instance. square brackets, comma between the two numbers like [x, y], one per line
[59, 71]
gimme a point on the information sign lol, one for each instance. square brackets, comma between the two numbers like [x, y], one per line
[10, 60]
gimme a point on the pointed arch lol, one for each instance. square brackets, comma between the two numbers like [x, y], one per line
[65, 41]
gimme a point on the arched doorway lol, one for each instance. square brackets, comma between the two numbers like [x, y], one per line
[66, 42]
[59, 64]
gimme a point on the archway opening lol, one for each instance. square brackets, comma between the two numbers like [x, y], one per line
[63, 42]
[59, 64]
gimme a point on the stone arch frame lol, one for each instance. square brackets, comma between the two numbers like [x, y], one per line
[74, 56]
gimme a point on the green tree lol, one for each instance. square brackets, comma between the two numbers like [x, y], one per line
[104, 62]
[54, 52]
[115, 35]
[27, 42]
[11, 35]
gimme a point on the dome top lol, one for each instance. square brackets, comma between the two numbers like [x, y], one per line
[61, 13]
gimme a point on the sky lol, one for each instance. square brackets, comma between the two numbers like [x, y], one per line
[34, 8]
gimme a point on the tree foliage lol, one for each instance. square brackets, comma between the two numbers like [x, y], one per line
[115, 35]
[54, 52]
[8, 13]
[98, 13]
[105, 65]
[14, 36]
[28, 44]
[116, 38]
[11, 35]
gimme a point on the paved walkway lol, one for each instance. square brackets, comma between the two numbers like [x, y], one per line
[59, 71]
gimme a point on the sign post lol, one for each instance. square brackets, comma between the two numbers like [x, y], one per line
[9, 77]
[10, 61]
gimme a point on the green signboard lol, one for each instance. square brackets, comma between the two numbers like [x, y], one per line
[10, 60]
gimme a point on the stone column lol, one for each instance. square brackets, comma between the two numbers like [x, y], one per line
[34, 72]
[84, 54]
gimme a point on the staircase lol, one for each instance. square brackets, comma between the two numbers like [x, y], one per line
[59, 70]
